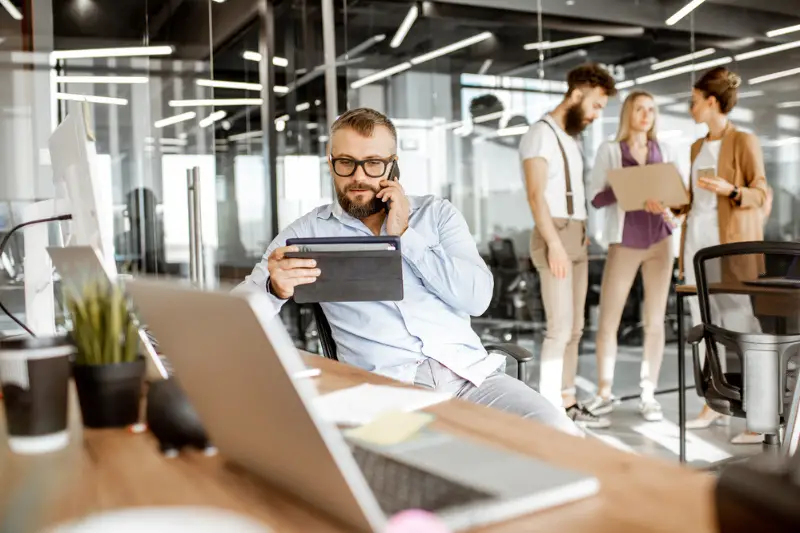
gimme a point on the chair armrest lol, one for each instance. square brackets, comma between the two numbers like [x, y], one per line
[514, 350]
[696, 334]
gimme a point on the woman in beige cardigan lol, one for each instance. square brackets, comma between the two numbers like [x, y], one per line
[728, 193]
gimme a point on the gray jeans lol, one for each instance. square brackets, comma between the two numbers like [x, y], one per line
[499, 391]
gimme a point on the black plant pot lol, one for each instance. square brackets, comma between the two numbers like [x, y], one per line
[109, 395]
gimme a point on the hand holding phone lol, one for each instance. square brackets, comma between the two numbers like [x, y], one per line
[394, 175]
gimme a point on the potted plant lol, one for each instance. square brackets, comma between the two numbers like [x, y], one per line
[108, 369]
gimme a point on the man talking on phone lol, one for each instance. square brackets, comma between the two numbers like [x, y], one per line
[553, 165]
[426, 338]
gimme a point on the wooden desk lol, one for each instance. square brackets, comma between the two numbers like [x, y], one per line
[103, 470]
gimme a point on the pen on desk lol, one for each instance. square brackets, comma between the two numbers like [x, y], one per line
[308, 373]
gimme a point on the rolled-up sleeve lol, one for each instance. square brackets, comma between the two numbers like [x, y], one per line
[452, 268]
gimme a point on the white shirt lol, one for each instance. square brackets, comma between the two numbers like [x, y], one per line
[539, 141]
[704, 202]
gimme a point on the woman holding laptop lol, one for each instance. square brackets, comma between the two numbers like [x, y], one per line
[728, 195]
[636, 239]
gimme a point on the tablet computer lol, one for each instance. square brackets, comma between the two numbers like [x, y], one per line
[352, 269]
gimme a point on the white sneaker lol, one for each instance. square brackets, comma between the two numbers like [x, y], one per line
[600, 406]
[651, 410]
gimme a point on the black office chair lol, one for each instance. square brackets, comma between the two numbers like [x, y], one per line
[756, 391]
[520, 355]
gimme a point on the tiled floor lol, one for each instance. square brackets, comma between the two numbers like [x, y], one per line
[630, 432]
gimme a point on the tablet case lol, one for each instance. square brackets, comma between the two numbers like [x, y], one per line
[357, 276]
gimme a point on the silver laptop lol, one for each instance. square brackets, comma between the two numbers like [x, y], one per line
[234, 363]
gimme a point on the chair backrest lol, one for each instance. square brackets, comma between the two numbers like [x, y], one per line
[502, 255]
[324, 332]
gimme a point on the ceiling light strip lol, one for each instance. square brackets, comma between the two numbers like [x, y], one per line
[169, 121]
[212, 118]
[219, 84]
[451, 48]
[549, 45]
[774, 76]
[788, 105]
[683, 70]
[682, 12]
[251, 55]
[12, 9]
[682, 59]
[92, 99]
[216, 102]
[767, 51]
[405, 26]
[102, 79]
[783, 31]
[380, 75]
[131, 51]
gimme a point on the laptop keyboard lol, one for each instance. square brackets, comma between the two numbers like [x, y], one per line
[398, 486]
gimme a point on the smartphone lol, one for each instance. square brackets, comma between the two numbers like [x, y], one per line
[706, 172]
[394, 175]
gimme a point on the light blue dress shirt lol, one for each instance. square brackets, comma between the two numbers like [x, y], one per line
[445, 281]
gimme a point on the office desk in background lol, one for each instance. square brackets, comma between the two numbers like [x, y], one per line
[107, 469]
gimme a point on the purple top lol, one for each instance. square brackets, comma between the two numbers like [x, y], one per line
[640, 228]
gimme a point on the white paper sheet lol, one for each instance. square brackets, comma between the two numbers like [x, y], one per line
[362, 404]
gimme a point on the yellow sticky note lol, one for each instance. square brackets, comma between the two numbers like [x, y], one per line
[391, 428]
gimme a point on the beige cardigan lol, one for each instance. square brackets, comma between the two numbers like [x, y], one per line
[740, 162]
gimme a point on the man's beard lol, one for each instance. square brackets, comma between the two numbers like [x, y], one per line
[573, 120]
[359, 210]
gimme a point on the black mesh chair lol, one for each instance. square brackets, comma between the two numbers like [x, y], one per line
[757, 391]
[520, 355]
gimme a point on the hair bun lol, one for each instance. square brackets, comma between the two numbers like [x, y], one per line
[734, 80]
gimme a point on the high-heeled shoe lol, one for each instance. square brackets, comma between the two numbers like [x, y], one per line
[706, 418]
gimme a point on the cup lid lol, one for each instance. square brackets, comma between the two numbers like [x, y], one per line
[33, 343]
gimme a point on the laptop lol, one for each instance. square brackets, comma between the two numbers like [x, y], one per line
[234, 360]
[790, 281]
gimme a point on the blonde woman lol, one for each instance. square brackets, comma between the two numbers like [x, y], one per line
[637, 240]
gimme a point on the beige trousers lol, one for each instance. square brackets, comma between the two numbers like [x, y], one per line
[620, 271]
[564, 301]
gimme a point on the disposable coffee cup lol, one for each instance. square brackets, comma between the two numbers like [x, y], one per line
[34, 374]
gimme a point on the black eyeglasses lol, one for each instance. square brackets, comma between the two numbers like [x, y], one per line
[374, 168]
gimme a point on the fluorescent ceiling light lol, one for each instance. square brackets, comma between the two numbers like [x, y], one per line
[255, 56]
[167, 141]
[783, 31]
[451, 48]
[282, 118]
[402, 31]
[92, 99]
[625, 84]
[485, 67]
[280, 89]
[246, 135]
[174, 120]
[768, 50]
[488, 117]
[774, 76]
[683, 70]
[750, 94]
[212, 118]
[788, 105]
[230, 85]
[549, 45]
[302, 107]
[101, 79]
[366, 80]
[682, 59]
[216, 102]
[131, 51]
[219, 1]
[12, 9]
[682, 12]
[513, 130]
